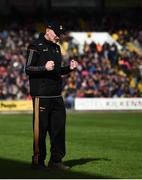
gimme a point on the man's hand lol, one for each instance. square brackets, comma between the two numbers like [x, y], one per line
[73, 64]
[49, 65]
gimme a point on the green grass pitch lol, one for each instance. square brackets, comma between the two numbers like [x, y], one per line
[99, 145]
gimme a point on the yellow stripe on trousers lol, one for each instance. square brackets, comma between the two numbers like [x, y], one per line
[36, 130]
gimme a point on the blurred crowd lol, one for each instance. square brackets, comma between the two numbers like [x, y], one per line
[103, 71]
[13, 81]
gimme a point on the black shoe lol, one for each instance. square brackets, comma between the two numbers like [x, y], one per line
[57, 166]
[38, 166]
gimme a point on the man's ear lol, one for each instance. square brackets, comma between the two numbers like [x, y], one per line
[47, 30]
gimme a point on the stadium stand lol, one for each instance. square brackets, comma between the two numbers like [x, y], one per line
[104, 71]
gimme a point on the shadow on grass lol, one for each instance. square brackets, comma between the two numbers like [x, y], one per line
[82, 161]
[11, 169]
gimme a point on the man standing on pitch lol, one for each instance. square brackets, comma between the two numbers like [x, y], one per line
[44, 69]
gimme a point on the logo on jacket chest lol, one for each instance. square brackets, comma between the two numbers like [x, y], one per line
[52, 50]
[45, 50]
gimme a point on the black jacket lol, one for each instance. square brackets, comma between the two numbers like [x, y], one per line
[43, 82]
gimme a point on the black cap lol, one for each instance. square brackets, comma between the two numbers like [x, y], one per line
[56, 27]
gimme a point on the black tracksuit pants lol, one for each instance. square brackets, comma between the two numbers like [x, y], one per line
[49, 115]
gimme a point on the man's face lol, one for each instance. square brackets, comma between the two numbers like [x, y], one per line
[51, 35]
